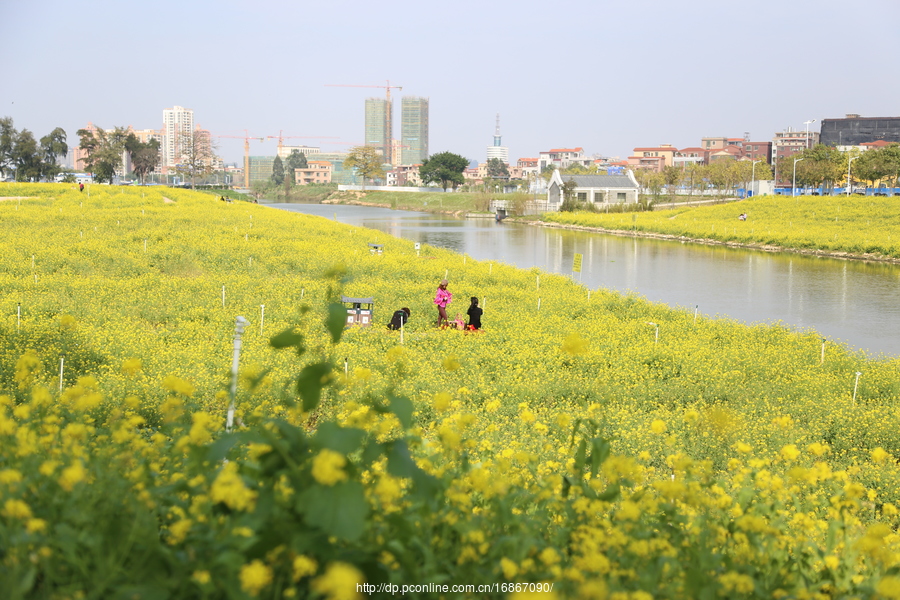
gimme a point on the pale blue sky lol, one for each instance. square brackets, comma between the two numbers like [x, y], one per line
[606, 76]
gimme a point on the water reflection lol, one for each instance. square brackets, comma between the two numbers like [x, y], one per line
[848, 301]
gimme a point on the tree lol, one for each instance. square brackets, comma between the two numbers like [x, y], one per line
[497, 169]
[26, 157]
[568, 192]
[104, 151]
[19, 151]
[53, 146]
[277, 171]
[297, 160]
[7, 141]
[367, 161]
[144, 156]
[197, 155]
[671, 175]
[547, 172]
[576, 169]
[444, 167]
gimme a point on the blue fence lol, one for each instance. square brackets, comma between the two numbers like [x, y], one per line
[838, 191]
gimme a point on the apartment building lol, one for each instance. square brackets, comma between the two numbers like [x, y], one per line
[316, 172]
[413, 130]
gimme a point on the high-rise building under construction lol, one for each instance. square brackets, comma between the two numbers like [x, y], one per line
[379, 125]
[413, 130]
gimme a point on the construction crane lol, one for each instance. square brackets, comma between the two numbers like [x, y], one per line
[246, 137]
[281, 137]
[389, 116]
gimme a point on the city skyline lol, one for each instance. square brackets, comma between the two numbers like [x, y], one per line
[583, 75]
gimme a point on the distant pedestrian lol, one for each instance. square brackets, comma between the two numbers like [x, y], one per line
[442, 298]
[474, 313]
[399, 319]
[80, 187]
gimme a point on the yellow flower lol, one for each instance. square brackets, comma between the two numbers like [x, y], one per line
[72, 475]
[199, 433]
[201, 577]
[131, 366]
[510, 569]
[178, 531]
[16, 509]
[67, 322]
[328, 467]
[255, 576]
[10, 476]
[658, 426]
[817, 448]
[229, 489]
[889, 587]
[36, 525]
[549, 556]
[742, 447]
[790, 452]
[441, 401]
[304, 566]
[27, 368]
[574, 344]
[178, 385]
[879, 455]
[339, 582]
[451, 363]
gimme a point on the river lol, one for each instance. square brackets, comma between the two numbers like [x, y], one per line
[851, 302]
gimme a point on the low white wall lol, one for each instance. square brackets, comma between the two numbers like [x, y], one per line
[387, 188]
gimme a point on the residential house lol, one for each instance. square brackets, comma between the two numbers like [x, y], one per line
[559, 158]
[596, 189]
[316, 172]
[654, 159]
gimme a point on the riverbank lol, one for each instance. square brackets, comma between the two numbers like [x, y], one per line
[712, 242]
[855, 227]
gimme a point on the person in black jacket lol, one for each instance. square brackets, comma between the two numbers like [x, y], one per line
[474, 313]
[399, 319]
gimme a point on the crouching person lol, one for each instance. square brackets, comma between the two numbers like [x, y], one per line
[399, 319]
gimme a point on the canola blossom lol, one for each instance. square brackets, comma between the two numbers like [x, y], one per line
[565, 446]
[857, 225]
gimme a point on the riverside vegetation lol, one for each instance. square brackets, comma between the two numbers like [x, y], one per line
[840, 224]
[565, 444]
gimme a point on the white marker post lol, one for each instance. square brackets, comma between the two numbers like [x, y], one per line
[656, 340]
[262, 316]
[855, 386]
[223, 296]
[145, 244]
[696, 308]
[538, 283]
[62, 362]
[822, 360]
[346, 368]
[589, 295]
[238, 332]
[490, 268]
[401, 332]
[302, 291]
[539, 304]
[18, 316]
[250, 262]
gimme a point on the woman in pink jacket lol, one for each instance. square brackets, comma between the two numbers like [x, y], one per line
[442, 298]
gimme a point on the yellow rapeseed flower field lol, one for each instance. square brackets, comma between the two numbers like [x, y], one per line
[562, 452]
[839, 224]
